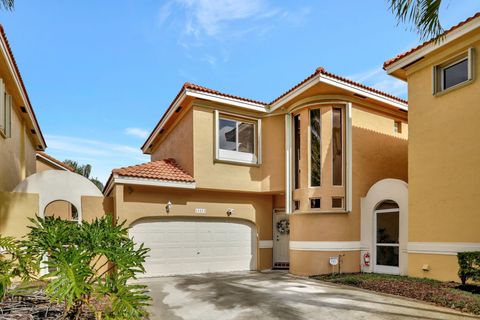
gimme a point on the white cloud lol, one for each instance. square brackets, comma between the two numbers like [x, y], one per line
[136, 132]
[379, 79]
[200, 19]
[103, 156]
[208, 15]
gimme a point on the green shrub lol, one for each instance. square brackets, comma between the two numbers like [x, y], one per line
[89, 265]
[469, 266]
[14, 262]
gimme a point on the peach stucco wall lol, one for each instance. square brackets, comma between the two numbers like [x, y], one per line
[15, 210]
[377, 153]
[17, 155]
[211, 174]
[177, 143]
[444, 157]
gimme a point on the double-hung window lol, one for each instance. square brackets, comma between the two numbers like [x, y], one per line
[237, 139]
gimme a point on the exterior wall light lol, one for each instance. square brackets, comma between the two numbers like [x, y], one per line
[168, 206]
[230, 211]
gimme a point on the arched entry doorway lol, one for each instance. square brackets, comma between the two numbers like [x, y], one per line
[387, 237]
[384, 227]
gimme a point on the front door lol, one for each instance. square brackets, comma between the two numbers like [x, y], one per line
[387, 240]
[281, 238]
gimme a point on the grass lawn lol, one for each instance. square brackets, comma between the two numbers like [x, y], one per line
[445, 294]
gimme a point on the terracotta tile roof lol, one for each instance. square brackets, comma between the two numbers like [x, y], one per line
[321, 70]
[166, 169]
[404, 54]
[192, 86]
[58, 162]
[10, 52]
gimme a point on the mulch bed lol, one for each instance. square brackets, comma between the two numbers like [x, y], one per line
[33, 306]
[445, 294]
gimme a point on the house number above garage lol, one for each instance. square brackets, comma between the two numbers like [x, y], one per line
[200, 210]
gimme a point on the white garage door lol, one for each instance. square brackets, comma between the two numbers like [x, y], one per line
[187, 246]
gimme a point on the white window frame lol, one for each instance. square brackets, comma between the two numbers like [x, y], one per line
[438, 72]
[237, 156]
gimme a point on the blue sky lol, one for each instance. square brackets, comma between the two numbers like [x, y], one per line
[101, 73]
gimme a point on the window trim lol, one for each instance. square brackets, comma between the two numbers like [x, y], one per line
[438, 74]
[229, 156]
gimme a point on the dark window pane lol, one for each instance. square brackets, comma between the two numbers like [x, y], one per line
[337, 203]
[296, 205]
[227, 135]
[387, 227]
[246, 137]
[74, 213]
[387, 204]
[296, 132]
[315, 203]
[387, 256]
[315, 148]
[455, 74]
[337, 148]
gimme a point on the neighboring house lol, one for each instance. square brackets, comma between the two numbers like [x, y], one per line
[239, 184]
[20, 134]
[444, 149]
[27, 186]
[47, 162]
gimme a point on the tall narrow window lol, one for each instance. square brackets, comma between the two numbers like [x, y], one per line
[296, 132]
[315, 148]
[337, 152]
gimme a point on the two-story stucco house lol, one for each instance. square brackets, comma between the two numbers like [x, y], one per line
[444, 149]
[239, 184]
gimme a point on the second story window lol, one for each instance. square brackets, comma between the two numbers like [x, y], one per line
[237, 139]
[453, 72]
[315, 148]
[5, 112]
[337, 150]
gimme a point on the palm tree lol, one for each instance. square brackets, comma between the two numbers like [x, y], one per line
[7, 4]
[423, 14]
[83, 170]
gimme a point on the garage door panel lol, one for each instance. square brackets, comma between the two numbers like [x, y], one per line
[188, 246]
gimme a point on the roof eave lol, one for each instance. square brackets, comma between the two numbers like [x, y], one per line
[417, 55]
[186, 92]
[117, 179]
[322, 78]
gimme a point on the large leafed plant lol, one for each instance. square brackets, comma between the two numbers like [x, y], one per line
[89, 266]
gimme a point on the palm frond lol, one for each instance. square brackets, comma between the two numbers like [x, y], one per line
[7, 4]
[422, 14]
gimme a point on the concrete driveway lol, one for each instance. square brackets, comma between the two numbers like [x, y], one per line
[276, 295]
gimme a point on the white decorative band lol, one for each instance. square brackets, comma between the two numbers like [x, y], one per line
[446, 248]
[325, 245]
[265, 244]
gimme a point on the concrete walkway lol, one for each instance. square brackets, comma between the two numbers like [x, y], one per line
[276, 295]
